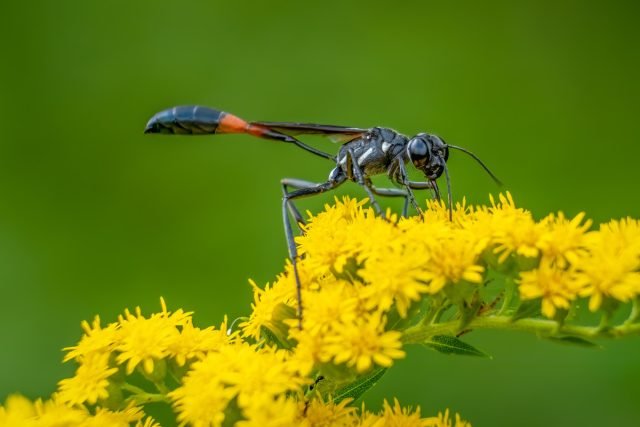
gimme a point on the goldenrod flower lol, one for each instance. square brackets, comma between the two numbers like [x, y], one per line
[363, 343]
[18, 411]
[563, 240]
[393, 276]
[326, 242]
[255, 373]
[514, 229]
[145, 340]
[238, 370]
[452, 260]
[444, 420]
[95, 340]
[266, 304]
[148, 422]
[56, 413]
[335, 304]
[551, 283]
[438, 212]
[611, 269]
[201, 399]
[194, 343]
[397, 416]
[329, 414]
[278, 412]
[90, 381]
[369, 285]
[106, 418]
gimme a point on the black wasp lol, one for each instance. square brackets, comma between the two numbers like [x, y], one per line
[364, 153]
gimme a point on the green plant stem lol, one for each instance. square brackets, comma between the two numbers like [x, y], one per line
[510, 289]
[132, 388]
[635, 312]
[162, 388]
[419, 333]
[140, 396]
[141, 399]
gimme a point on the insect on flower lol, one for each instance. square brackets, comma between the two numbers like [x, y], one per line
[364, 153]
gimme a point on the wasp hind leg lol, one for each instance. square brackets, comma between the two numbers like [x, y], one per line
[336, 178]
[296, 184]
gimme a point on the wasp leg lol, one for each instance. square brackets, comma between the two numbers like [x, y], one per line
[403, 179]
[296, 184]
[356, 174]
[425, 185]
[336, 177]
[271, 134]
[393, 192]
[311, 149]
[419, 185]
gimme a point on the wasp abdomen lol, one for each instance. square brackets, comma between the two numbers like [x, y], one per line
[194, 120]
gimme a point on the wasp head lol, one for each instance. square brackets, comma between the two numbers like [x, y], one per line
[428, 153]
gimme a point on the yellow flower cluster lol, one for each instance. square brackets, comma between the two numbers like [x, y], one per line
[211, 377]
[19, 411]
[358, 271]
[283, 411]
[369, 286]
[135, 341]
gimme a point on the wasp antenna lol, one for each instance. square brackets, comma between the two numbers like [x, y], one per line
[449, 197]
[485, 167]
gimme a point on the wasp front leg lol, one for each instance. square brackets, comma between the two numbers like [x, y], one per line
[402, 178]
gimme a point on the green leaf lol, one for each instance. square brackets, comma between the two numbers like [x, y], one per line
[359, 386]
[232, 413]
[273, 338]
[571, 340]
[448, 344]
[528, 308]
[463, 291]
[469, 311]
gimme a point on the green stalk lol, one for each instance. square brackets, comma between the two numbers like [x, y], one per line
[509, 291]
[140, 396]
[419, 333]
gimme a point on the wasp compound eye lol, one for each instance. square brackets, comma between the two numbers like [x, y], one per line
[419, 152]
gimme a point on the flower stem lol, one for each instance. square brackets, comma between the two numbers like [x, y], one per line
[161, 386]
[132, 388]
[140, 396]
[141, 399]
[419, 333]
[635, 312]
[510, 289]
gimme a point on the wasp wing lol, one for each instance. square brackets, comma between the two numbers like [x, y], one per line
[333, 132]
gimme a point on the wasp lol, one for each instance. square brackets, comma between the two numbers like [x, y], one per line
[364, 152]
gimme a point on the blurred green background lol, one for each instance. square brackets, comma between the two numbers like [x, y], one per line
[96, 217]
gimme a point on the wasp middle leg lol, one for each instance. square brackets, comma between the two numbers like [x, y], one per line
[393, 192]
